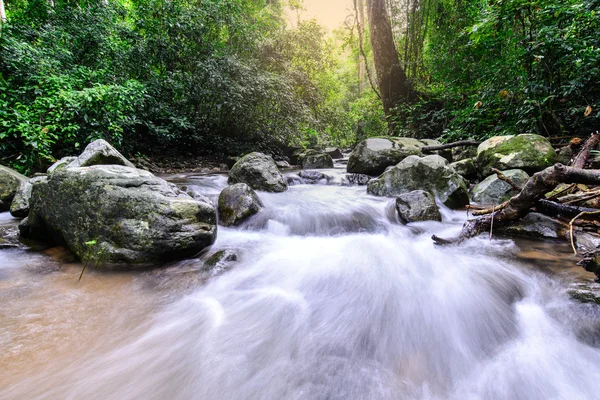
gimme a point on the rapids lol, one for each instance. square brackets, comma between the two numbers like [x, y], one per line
[331, 298]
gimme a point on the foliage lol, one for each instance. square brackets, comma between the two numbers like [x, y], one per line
[506, 67]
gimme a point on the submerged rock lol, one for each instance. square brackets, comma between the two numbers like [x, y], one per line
[357, 179]
[431, 173]
[317, 161]
[220, 261]
[10, 182]
[259, 171]
[531, 153]
[20, 204]
[121, 214]
[100, 152]
[417, 205]
[372, 156]
[237, 203]
[493, 190]
[535, 225]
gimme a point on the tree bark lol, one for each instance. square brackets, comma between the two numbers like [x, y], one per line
[518, 206]
[584, 154]
[2, 12]
[394, 86]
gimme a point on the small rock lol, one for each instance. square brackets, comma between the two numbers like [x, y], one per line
[62, 163]
[10, 182]
[357, 179]
[20, 204]
[220, 261]
[259, 171]
[466, 168]
[564, 155]
[237, 203]
[317, 161]
[493, 191]
[334, 152]
[100, 152]
[417, 205]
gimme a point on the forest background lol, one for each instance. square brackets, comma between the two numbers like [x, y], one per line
[224, 77]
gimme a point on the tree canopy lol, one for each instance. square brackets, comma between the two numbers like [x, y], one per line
[230, 76]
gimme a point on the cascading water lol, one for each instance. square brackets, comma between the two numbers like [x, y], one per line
[331, 298]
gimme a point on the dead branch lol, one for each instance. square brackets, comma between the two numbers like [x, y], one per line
[581, 158]
[461, 143]
[558, 210]
[519, 205]
[506, 179]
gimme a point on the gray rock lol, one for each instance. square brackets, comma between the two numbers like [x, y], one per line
[20, 204]
[259, 171]
[62, 163]
[372, 156]
[431, 173]
[464, 152]
[100, 152]
[492, 190]
[220, 261]
[465, 168]
[317, 161]
[237, 203]
[283, 164]
[564, 155]
[132, 216]
[313, 177]
[535, 225]
[531, 153]
[10, 182]
[417, 205]
[586, 242]
[334, 152]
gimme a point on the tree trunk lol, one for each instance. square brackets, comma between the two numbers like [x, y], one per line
[361, 60]
[393, 83]
[2, 12]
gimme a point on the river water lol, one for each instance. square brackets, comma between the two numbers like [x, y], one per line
[331, 298]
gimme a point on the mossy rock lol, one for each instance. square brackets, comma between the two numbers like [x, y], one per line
[430, 173]
[372, 156]
[237, 203]
[132, 216]
[259, 172]
[529, 152]
[494, 191]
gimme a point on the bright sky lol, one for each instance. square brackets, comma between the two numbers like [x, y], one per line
[329, 13]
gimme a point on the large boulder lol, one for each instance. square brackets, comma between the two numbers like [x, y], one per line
[119, 214]
[531, 153]
[100, 152]
[10, 182]
[259, 171]
[431, 173]
[493, 190]
[417, 205]
[20, 204]
[372, 156]
[317, 161]
[237, 203]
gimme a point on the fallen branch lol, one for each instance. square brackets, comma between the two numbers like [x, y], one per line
[519, 205]
[506, 179]
[558, 210]
[462, 143]
[581, 158]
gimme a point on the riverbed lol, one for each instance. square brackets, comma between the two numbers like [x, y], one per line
[330, 298]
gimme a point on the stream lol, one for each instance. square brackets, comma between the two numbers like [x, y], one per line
[331, 298]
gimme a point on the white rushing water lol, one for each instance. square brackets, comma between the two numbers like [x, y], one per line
[331, 298]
